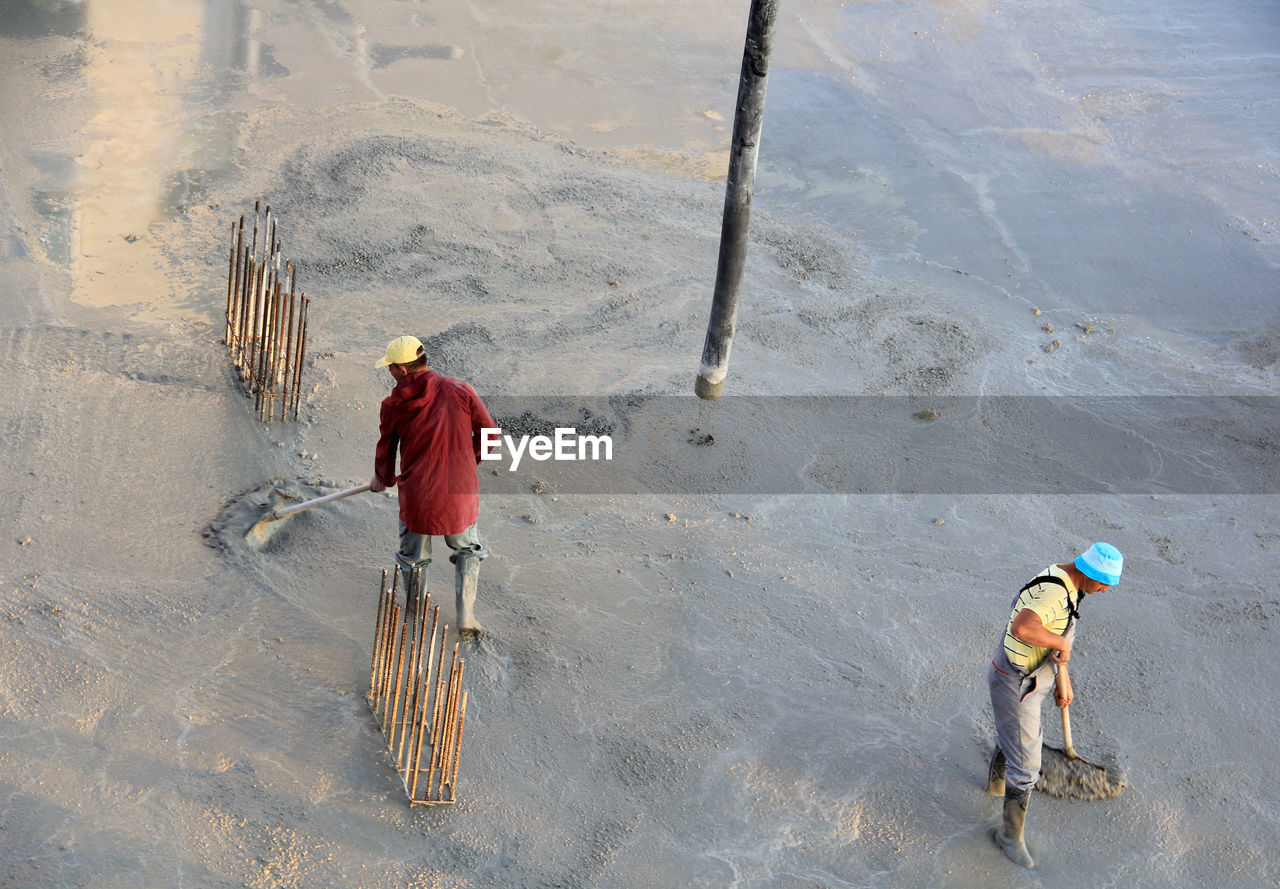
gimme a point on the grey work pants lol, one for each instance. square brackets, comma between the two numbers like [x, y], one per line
[415, 549]
[1016, 701]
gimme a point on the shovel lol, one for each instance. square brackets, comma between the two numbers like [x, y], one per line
[1063, 773]
[269, 525]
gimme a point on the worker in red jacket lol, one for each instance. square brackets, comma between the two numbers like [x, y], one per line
[434, 423]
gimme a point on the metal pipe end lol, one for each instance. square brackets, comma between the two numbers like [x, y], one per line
[707, 390]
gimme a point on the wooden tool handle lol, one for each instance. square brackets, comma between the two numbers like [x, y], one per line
[1067, 747]
[327, 498]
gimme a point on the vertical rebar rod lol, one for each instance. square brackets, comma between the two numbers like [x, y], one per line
[270, 299]
[238, 345]
[410, 683]
[274, 356]
[387, 632]
[377, 629]
[412, 717]
[233, 311]
[457, 747]
[400, 707]
[264, 328]
[268, 235]
[437, 707]
[269, 349]
[264, 320]
[425, 708]
[455, 699]
[302, 349]
[289, 369]
[258, 284]
[384, 641]
[438, 700]
[278, 331]
[387, 657]
[375, 687]
[389, 725]
[257, 216]
[441, 742]
[415, 756]
[431, 651]
[260, 373]
[251, 298]
[446, 727]
[242, 321]
[231, 278]
[250, 319]
[446, 730]
[389, 679]
[406, 712]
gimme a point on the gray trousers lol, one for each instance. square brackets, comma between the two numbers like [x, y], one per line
[415, 549]
[1016, 701]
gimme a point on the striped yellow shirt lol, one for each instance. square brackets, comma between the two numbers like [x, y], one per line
[1049, 602]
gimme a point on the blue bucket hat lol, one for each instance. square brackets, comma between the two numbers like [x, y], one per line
[1101, 562]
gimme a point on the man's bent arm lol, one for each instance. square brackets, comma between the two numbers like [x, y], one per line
[1028, 627]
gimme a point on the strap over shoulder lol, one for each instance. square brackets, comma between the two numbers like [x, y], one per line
[1073, 608]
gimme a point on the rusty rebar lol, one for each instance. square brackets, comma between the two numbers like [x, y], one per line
[394, 703]
[266, 317]
[242, 309]
[451, 718]
[412, 717]
[438, 723]
[257, 216]
[286, 391]
[273, 358]
[302, 351]
[388, 675]
[416, 755]
[231, 278]
[457, 746]
[437, 707]
[415, 696]
[387, 657]
[377, 629]
[400, 705]
[380, 655]
[251, 345]
[242, 258]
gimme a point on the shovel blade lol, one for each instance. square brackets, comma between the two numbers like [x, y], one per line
[266, 528]
[1070, 777]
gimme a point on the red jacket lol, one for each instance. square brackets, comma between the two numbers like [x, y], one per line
[436, 422]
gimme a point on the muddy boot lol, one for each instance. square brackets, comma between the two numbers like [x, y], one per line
[995, 773]
[466, 579]
[1009, 833]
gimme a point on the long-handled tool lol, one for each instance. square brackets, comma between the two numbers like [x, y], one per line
[269, 525]
[1064, 774]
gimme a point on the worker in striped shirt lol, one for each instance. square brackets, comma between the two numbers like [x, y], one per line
[1037, 638]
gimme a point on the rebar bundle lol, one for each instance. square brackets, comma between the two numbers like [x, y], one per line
[420, 706]
[266, 318]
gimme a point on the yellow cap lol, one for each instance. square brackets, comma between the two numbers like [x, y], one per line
[402, 350]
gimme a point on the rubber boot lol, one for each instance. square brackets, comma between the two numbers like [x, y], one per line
[995, 773]
[466, 579]
[1009, 833]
